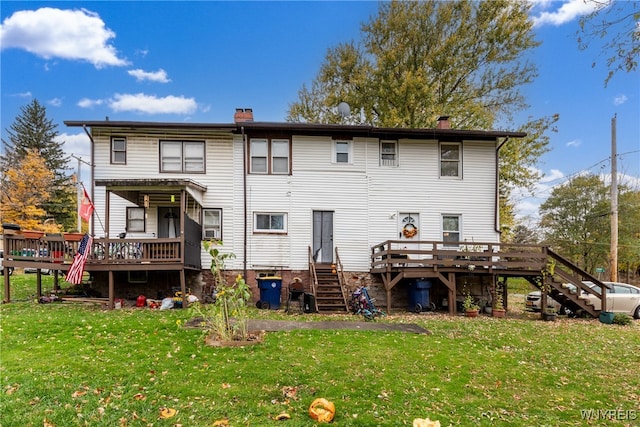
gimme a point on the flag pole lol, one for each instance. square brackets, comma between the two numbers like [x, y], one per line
[95, 212]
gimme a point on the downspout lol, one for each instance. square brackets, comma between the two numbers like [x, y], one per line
[496, 211]
[244, 189]
[93, 223]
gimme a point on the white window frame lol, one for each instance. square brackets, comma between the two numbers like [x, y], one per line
[116, 152]
[210, 229]
[188, 163]
[336, 152]
[271, 218]
[279, 153]
[136, 220]
[388, 157]
[448, 161]
[259, 149]
[269, 154]
[447, 231]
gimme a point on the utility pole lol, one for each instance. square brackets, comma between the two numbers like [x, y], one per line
[613, 258]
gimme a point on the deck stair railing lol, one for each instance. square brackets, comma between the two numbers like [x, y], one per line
[342, 280]
[565, 283]
[313, 278]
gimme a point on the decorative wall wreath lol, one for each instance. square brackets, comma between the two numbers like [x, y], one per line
[409, 231]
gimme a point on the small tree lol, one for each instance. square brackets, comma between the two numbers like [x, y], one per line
[32, 130]
[23, 189]
[226, 318]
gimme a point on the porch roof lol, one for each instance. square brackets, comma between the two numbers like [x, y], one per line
[130, 189]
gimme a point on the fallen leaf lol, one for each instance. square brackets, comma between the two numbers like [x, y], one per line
[167, 412]
[222, 423]
[78, 393]
[139, 396]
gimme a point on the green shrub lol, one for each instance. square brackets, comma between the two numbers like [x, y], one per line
[621, 319]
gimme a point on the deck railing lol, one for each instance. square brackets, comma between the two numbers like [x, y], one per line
[470, 255]
[57, 250]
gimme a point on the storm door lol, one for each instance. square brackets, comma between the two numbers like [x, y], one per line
[168, 222]
[323, 236]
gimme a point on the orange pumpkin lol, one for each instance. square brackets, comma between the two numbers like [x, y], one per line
[322, 410]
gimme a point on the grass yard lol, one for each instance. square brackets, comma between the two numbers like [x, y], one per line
[73, 365]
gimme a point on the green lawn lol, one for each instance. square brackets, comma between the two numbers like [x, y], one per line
[67, 364]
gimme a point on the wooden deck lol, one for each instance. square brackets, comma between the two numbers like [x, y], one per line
[397, 260]
[55, 253]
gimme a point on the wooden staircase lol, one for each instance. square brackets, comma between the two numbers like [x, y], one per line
[564, 282]
[328, 290]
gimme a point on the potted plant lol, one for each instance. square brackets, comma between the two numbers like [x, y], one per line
[469, 306]
[549, 314]
[498, 303]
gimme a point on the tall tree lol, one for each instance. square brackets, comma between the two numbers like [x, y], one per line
[575, 219]
[419, 60]
[629, 229]
[32, 130]
[27, 183]
[615, 24]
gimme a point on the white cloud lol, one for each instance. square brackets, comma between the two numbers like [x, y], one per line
[619, 100]
[159, 76]
[569, 11]
[150, 104]
[527, 203]
[22, 95]
[55, 33]
[89, 103]
[76, 144]
[574, 143]
[56, 102]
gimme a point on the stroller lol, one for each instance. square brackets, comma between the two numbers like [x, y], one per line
[362, 303]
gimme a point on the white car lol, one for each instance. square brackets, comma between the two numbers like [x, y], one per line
[621, 298]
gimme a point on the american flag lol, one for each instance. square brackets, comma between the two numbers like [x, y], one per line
[74, 275]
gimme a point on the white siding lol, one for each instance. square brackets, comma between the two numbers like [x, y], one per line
[365, 197]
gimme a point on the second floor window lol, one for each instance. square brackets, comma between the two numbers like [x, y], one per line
[182, 156]
[388, 153]
[342, 152]
[269, 156]
[118, 150]
[451, 160]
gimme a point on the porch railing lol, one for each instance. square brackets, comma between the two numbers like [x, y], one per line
[57, 250]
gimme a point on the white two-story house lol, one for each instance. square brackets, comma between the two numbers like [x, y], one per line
[282, 195]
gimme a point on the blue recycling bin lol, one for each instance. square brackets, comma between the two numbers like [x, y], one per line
[419, 295]
[269, 292]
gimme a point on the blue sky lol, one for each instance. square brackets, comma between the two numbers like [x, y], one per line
[198, 61]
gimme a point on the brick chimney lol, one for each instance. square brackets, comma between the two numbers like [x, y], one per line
[443, 122]
[243, 115]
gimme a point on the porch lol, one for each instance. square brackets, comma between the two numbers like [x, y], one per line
[55, 253]
[449, 263]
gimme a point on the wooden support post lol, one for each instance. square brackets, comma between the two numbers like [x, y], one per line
[7, 291]
[183, 288]
[111, 304]
[38, 283]
[388, 299]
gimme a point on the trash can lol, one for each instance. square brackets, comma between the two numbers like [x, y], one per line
[270, 292]
[419, 295]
